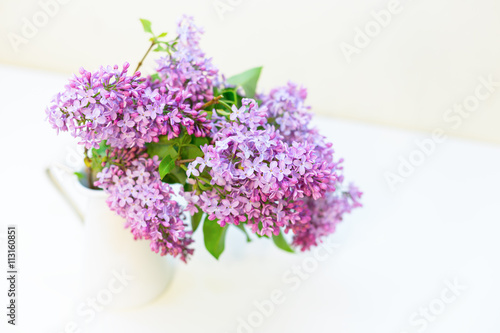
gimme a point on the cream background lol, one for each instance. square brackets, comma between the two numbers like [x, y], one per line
[429, 57]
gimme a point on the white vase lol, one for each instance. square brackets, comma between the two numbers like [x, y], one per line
[119, 272]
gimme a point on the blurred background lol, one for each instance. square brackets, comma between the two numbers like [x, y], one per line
[382, 76]
[400, 63]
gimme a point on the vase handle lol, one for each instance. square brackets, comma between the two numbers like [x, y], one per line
[56, 172]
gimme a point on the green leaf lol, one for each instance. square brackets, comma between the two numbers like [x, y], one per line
[227, 103]
[230, 95]
[204, 187]
[159, 48]
[79, 175]
[155, 77]
[188, 187]
[163, 34]
[176, 176]
[146, 25]
[191, 152]
[102, 148]
[223, 104]
[180, 174]
[161, 150]
[166, 165]
[196, 219]
[222, 112]
[215, 237]
[217, 92]
[281, 242]
[98, 157]
[164, 139]
[242, 228]
[200, 142]
[170, 179]
[186, 139]
[247, 80]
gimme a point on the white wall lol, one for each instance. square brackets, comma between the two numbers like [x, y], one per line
[429, 57]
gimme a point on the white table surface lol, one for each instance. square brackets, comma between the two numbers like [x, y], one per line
[392, 257]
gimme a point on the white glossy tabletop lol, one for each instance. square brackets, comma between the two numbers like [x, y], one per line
[422, 256]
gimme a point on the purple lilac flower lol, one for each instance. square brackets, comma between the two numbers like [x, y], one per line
[264, 191]
[274, 169]
[322, 216]
[125, 111]
[106, 105]
[137, 193]
[188, 69]
[286, 105]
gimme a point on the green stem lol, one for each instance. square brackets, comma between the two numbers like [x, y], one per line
[206, 181]
[225, 104]
[142, 60]
[88, 162]
[179, 162]
[211, 102]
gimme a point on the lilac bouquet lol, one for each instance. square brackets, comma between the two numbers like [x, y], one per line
[242, 159]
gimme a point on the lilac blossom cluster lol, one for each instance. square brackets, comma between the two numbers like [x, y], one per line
[130, 111]
[288, 111]
[124, 110]
[269, 169]
[320, 217]
[286, 106]
[137, 193]
[106, 104]
[189, 68]
[261, 178]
